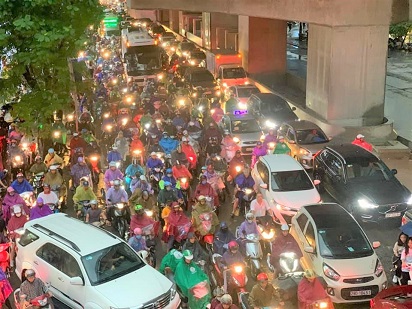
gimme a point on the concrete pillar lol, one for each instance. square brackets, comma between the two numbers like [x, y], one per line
[346, 73]
[262, 43]
[206, 30]
[174, 20]
[219, 22]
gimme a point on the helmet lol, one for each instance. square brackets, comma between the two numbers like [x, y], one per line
[37, 158]
[284, 227]
[116, 182]
[30, 273]
[93, 202]
[137, 231]
[17, 209]
[226, 299]
[168, 184]
[20, 175]
[46, 185]
[10, 189]
[202, 176]
[184, 139]
[138, 207]
[85, 183]
[188, 255]
[40, 200]
[223, 225]
[233, 245]
[51, 150]
[262, 277]
[143, 178]
[201, 198]
[112, 163]
[53, 167]
[250, 216]
[169, 171]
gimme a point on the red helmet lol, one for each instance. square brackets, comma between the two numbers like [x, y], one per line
[233, 245]
[262, 277]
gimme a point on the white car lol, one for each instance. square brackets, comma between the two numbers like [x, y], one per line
[285, 184]
[88, 267]
[337, 249]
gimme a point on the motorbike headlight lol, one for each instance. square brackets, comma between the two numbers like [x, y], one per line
[109, 127]
[24, 145]
[106, 115]
[70, 117]
[225, 85]
[149, 213]
[409, 202]
[330, 272]
[129, 99]
[94, 158]
[192, 62]
[238, 169]
[268, 235]
[124, 121]
[114, 81]
[160, 76]
[262, 137]
[182, 102]
[184, 180]
[378, 268]
[238, 269]
[117, 164]
[120, 205]
[194, 94]
[55, 134]
[218, 93]
[124, 90]
[147, 126]
[137, 151]
[364, 203]
[270, 124]
[248, 191]
[271, 145]
[17, 158]
[185, 54]
[236, 140]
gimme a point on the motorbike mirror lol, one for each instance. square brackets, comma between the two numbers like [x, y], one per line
[292, 142]
[309, 249]
[264, 186]
[376, 244]
[316, 182]
[394, 171]
[76, 281]
[293, 108]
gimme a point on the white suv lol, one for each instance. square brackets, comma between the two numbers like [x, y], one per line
[88, 267]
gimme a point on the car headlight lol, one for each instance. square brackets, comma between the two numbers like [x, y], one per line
[173, 291]
[409, 202]
[270, 124]
[330, 272]
[283, 207]
[378, 268]
[364, 203]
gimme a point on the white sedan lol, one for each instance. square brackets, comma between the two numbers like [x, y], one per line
[285, 184]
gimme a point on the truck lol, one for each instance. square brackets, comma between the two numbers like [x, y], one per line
[226, 67]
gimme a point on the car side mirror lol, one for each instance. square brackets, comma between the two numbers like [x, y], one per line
[376, 244]
[293, 108]
[316, 182]
[309, 249]
[264, 186]
[76, 281]
[329, 138]
[394, 171]
[291, 141]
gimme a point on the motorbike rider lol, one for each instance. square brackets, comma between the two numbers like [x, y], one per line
[243, 181]
[38, 167]
[248, 226]
[122, 145]
[133, 170]
[310, 290]
[94, 213]
[190, 152]
[40, 210]
[16, 222]
[236, 165]
[135, 145]
[177, 226]
[167, 194]
[168, 144]
[21, 184]
[169, 127]
[397, 252]
[229, 146]
[168, 177]
[114, 155]
[76, 142]
[52, 158]
[216, 162]
[259, 206]
[169, 263]
[83, 193]
[217, 114]
[141, 220]
[148, 203]
[205, 189]
[116, 194]
[188, 276]
[264, 294]
[141, 184]
[137, 241]
[55, 180]
[48, 196]
[179, 155]
[258, 151]
[281, 147]
[180, 171]
[232, 256]
[155, 147]
[32, 288]
[10, 199]
[212, 132]
[360, 141]
[226, 302]
[222, 238]
[13, 153]
[284, 242]
[111, 174]
[270, 138]
[78, 171]
[204, 219]
[231, 104]
[192, 244]
[179, 121]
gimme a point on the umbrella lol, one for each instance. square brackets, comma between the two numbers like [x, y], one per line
[407, 228]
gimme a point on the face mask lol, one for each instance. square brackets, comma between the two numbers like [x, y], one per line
[250, 221]
[168, 188]
[204, 182]
[169, 175]
[18, 215]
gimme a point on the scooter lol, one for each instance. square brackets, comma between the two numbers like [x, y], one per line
[37, 182]
[254, 254]
[119, 221]
[185, 189]
[155, 176]
[248, 197]
[41, 302]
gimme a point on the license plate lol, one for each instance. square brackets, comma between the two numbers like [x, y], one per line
[249, 149]
[360, 293]
[392, 215]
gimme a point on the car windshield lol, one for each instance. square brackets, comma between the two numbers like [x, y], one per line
[187, 46]
[342, 239]
[245, 126]
[246, 92]
[362, 169]
[198, 55]
[111, 263]
[291, 181]
[275, 105]
[234, 73]
[203, 76]
[310, 136]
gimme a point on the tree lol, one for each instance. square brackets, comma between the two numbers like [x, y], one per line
[400, 30]
[38, 36]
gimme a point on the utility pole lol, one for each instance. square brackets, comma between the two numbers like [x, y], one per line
[74, 95]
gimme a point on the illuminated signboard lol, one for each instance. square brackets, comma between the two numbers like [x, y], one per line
[240, 112]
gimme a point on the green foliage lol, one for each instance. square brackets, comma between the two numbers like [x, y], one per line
[400, 30]
[39, 36]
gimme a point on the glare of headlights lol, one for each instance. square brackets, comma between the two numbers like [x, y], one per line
[236, 140]
[238, 269]
[94, 158]
[184, 180]
[182, 102]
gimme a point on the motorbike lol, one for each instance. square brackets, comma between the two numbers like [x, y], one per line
[41, 302]
[62, 198]
[37, 182]
[248, 197]
[254, 254]
[54, 207]
[321, 304]
[17, 165]
[28, 198]
[271, 147]
[289, 264]
[57, 145]
[155, 176]
[85, 207]
[218, 184]
[5, 258]
[119, 220]
[95, 169]
[185, 189]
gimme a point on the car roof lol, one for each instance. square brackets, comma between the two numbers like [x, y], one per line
[167, 33]
[349, 151]
[244, 86]
[281, 162]
[75, 234]
[320, 214]
[266, 96]
[303, 125]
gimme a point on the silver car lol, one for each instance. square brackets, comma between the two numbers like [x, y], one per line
[304, 139]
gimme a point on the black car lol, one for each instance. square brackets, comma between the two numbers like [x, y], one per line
[200, 80]
[361, 182]
[184, 48]
[197, 58]
[270, 109]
